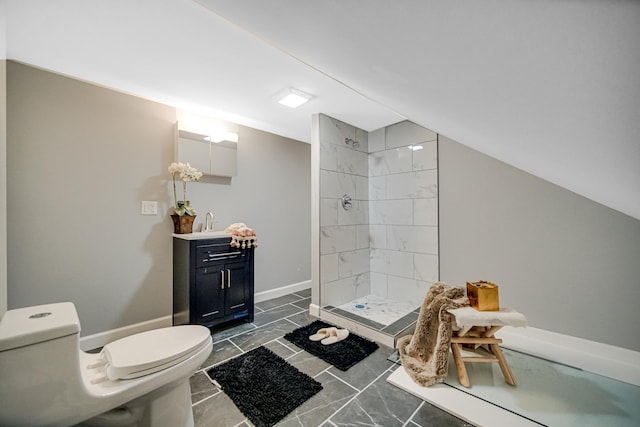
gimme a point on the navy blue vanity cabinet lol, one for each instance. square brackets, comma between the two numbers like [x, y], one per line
[212, 282]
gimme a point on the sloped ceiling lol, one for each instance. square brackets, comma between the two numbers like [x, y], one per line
[550, 87]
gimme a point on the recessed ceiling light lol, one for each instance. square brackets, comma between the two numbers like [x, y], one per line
[293, 97]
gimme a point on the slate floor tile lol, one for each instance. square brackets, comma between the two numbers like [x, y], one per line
[201, 387]
[363, 373]
[276, 313]
[256, 337]
[223, 334]
[302, 319]
[303, 303]
[428, 415]
[218, 411]
[308, 363]
[380, 404]
[313, 412]
[305, 293]
[269, 304]
[222, 350]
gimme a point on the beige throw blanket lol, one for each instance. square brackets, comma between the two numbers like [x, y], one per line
[425, 354]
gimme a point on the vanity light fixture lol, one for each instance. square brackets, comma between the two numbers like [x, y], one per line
[219, 136]
[293, 97]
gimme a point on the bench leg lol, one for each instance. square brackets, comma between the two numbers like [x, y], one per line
[504, 367]
[463, 377]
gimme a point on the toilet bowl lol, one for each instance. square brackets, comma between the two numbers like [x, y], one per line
[141, 380]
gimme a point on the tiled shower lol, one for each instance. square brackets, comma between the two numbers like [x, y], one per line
[378, 222]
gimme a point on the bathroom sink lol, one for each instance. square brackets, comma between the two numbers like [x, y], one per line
[203, 235]
[213, 233]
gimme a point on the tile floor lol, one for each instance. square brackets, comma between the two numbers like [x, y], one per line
[360, 396]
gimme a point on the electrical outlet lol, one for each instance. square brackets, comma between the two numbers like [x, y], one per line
[149, 207]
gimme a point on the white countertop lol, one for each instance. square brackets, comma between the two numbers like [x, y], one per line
[202, 235]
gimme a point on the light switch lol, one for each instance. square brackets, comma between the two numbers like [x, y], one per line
[149, 207]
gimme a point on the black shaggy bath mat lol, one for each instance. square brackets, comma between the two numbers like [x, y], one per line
[264, 386]
[343, 354]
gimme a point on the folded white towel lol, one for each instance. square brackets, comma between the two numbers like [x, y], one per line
[469, 316]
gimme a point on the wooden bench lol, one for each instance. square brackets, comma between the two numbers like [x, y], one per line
[475, 331]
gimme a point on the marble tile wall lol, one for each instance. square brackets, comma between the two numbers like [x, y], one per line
[387, 243]
[344, 234]
[403, 211]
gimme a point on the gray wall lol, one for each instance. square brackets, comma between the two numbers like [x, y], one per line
[81, 158]
[3, 187]
[271, 194]
[569, 264]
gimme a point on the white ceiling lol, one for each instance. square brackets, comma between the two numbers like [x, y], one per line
[550, 87]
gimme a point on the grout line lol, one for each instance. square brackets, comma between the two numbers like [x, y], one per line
[300, 296]
[277, 320]
[295, 323]
[358, 394]
[340, 379]
[238, 334]
[325, 370]
[236, 345]
[410, 419]
[291, 321]
[288, 348]
[207, 398]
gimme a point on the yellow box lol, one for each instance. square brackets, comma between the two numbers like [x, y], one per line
[483, 295]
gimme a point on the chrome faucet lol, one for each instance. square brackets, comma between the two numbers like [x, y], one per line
[208, 226]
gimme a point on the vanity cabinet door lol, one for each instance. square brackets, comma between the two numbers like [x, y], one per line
[209, 294]
[238, 289]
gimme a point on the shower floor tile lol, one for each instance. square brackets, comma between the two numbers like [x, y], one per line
[378, 309]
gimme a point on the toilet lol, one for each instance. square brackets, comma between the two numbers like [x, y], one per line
[140, 380]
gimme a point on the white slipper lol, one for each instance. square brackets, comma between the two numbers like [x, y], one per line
[321, 334]
[335, 336]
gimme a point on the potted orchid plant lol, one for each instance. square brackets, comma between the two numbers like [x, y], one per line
[187, 173]
[184, 214]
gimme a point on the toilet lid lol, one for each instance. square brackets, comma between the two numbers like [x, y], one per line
[152, 351]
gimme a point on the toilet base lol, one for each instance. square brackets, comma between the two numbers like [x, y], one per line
[166, 407]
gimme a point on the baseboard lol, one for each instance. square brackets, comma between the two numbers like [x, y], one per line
[314, 310]
[98, 340]
[603, 359]
[284, 290]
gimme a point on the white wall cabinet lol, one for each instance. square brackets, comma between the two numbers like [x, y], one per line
[209, 157]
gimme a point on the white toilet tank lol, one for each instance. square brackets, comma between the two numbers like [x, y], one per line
[27, 326]
[38, 348]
